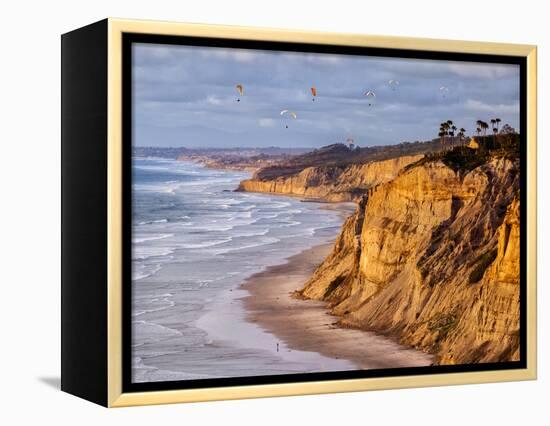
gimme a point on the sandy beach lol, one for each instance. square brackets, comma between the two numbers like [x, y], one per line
[307, 325]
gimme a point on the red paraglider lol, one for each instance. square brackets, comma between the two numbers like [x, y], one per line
[313, 93]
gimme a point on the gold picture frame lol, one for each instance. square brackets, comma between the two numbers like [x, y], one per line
[116, 28]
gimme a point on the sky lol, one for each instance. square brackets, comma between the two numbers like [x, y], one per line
[187, 96]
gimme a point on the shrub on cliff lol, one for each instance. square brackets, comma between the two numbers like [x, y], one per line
[464, 159]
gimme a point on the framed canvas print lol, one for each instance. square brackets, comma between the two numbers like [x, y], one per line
[250, 212]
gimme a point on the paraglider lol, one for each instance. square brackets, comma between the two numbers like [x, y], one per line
[290, 113]
[371, 95]
[313, 93]
[393, 84]
[240, 89]
[444, 91]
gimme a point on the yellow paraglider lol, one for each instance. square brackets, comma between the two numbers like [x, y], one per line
[290, 113]
[240, 89]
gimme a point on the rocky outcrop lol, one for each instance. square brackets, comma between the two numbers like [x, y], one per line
[330, 183]
[432, 258]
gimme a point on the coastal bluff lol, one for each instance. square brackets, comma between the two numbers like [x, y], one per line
[335, 183]
[430, 257]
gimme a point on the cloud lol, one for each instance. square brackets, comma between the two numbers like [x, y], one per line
[484, 71]
[475, 105]
[266, 122]
[237, 55]
[213, 100]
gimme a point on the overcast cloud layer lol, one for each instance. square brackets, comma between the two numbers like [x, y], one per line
[186, 96]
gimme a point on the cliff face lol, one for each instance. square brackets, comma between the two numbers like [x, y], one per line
[331, 183]
[432, 258]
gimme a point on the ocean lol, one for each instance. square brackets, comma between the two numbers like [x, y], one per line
[194, 242]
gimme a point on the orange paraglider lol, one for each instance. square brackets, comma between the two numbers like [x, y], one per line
[313, 93]
[240, 89]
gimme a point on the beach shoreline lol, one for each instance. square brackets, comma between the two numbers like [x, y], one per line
[307, 325]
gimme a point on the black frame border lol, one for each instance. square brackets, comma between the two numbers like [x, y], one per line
[130, 38]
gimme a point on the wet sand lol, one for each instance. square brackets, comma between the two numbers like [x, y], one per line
[307, 325]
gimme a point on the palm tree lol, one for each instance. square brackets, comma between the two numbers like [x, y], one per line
[442, 132]
[452, 133]
[497, 121]
[484, 126]
[479, 128]
[493, 124]
[461, 134]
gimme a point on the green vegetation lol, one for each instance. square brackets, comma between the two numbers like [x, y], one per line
[339, 156]
[443, 322]
[463, 158]
[484, 261]
[460, 156]
[449, 147]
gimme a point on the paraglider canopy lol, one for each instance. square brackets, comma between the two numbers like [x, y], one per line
[290, 113]
[370, 94]
[444, 90]
[313, 93]
[240, 89]
[393, 84]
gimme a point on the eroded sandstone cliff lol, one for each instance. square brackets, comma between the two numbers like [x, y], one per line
[432, 258]
[331, 183]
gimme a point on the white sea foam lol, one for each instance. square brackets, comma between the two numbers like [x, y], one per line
[161, 303]
[150, 332]
[146, 252]
[252, 233]
[213, 227]
[142, 271]
[149, 222]
[263, 242]
[206, 244]
[142, 239]
[280, 204]
[291, 223]
[160, 187]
